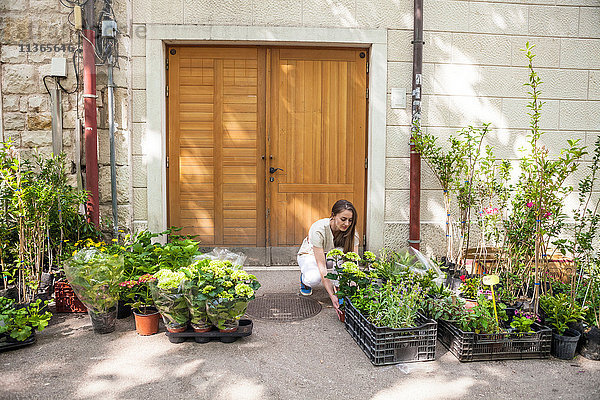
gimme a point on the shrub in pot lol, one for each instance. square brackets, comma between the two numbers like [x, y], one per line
[94, 276]
[227, 291]
[560, 310]
[168, 295]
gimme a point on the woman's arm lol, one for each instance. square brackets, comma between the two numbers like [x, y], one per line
[321, 263]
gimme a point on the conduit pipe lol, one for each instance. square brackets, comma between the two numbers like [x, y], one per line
[90, 123]
[414, 234]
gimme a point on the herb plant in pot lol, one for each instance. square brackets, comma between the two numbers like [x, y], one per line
[228, 292]
[168, 295]
[95, 276]
[140, 300]
[561, 310]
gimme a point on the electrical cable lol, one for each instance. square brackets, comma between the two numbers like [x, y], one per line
[45, 85]
[76, 75]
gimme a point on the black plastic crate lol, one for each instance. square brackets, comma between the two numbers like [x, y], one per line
[384, 345]
[470, 346]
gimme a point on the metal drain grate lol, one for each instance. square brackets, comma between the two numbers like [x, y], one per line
[283, 307]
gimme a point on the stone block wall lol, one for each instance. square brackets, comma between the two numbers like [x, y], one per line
[25, 25]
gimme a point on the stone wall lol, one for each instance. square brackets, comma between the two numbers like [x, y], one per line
[25, 103]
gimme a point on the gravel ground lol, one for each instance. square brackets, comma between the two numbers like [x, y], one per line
[310, 359]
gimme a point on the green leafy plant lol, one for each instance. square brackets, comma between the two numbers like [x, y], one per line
[94, 276]
[560, 310]
[168, 295]
[20, 322]
[470, 287]
[522, 321]
[39, 214]
[394, 306]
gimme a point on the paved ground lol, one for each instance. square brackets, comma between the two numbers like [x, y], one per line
[310, 359]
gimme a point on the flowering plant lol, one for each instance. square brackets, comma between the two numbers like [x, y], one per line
[167, 293]
[523, 320]
[225, 281]
[138, 293]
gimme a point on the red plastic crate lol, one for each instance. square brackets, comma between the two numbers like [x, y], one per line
[65, 298]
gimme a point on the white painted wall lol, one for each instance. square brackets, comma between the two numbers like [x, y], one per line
[473, 72]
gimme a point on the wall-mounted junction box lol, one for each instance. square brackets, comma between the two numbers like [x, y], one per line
[58, 67]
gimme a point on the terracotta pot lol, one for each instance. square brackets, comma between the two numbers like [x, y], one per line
[146, 324]
[203, 330]
[229, 330]
[177, 330]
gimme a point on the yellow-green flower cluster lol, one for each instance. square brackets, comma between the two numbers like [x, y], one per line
[240, 275]
[225, 295]
[352, 256]
[369, 256]
[167, 279]
[227, 284]
[243, 290]
[207, 289]
[351, 268]
[335, 253]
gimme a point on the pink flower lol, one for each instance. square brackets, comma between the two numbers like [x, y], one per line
[547, 215]
[491, 211]
[463, 277]
[530, 204]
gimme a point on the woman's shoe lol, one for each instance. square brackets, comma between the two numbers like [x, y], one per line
[304, 289]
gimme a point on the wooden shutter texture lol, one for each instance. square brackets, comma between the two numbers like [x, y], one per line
[318, 120]
[216, 109]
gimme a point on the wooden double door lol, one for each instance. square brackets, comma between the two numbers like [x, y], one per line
[262, 141]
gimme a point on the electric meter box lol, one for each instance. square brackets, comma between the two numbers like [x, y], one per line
[109, 28]
[58, 67]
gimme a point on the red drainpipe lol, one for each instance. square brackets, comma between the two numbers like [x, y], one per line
[90, 123]
[414, 233]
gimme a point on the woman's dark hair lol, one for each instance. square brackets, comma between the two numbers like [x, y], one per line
[344, 239]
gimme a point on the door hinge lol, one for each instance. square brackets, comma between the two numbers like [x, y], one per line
[167, 161]
[167, 65]
[367, 66]
[167, 91]
[367, 94]
[366, 163]
[268, 211]
[364, 241]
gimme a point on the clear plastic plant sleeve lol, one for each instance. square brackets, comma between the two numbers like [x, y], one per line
[172, 305]
[196, 305]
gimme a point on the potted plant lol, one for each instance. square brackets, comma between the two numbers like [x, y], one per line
[18, 324]
[140, 300]
[196, 295]
[227, 292]
[168, 295]
[559, 311]
[94, 276]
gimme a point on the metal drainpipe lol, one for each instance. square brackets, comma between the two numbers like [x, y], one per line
[414, 235]
[111, 131]
[90, 123]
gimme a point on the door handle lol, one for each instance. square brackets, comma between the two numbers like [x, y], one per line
[272, 170]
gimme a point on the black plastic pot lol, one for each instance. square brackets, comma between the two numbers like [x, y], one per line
[590, 346]
[103, 322]
[123, 310]
[564, 346]
[8, 343]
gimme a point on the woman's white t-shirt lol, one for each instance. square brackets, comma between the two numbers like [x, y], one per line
[320, 235]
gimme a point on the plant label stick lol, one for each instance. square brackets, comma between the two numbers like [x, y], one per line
[492, 280]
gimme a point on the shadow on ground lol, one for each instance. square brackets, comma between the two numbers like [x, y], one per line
[310, 359]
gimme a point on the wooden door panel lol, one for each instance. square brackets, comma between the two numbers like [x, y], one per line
[317, 135]
[216, 175]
